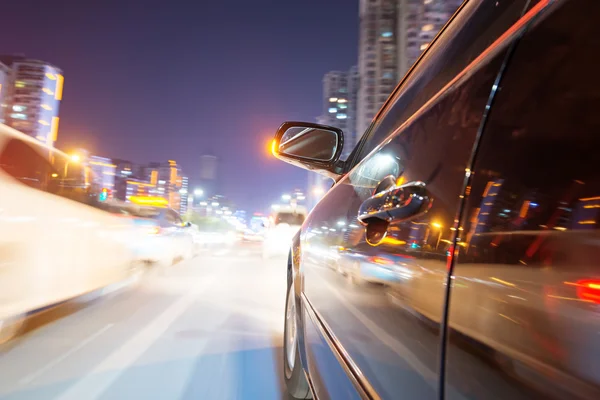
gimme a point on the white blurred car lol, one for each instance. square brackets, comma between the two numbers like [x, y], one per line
[163, 237]
[56, 241]
[281, 228]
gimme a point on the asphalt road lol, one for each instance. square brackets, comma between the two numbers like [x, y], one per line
[206, 328]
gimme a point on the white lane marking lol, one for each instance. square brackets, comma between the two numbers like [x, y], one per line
[93, 385]
[387, 339]
[51, 364]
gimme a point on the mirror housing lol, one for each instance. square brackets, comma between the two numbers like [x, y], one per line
[310, 146]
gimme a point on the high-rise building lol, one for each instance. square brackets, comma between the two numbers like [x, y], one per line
[34, 92]
[103, 172]
[184, 192]
[377, 57]
[339, 104]
[208, 174]
[393, 34]
[4, 85]
[419, 21]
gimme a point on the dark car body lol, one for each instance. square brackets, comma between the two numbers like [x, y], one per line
[490, 288]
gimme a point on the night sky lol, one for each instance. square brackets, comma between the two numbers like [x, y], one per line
[152, 80]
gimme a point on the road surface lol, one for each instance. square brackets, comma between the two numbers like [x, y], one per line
[208, 328]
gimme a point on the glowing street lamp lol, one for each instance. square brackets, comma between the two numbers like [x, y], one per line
[318, 191]
[75, 157]
[438, 226]
[286, 197]
[198, 192]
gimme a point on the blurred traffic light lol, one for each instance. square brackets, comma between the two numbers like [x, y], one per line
[103, 194]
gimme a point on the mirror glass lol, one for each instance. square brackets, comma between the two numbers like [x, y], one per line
[309, 143]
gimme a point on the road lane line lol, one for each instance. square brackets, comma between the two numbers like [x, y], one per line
[95, 383]
[51, 364]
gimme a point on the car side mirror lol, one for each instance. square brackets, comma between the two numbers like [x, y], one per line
[310, 146]
[187, 225]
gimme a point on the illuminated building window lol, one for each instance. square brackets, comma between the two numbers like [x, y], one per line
[333, 110]
[427, 28]
[48, 91]
[18, 116]
[19, 108]
[341, 116]
[19, 84]
[386, 34]
[50, 76]
[46, 107]
[42, 122]
[424, 46]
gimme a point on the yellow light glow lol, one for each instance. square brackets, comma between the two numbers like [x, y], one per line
[427, 28]
[273, 142]
[423, 46]
[149, 201]
[590, 198]
[46, 107]
[48, 91]
[55, 175]
[42, 122]
[436, 225]
[50, 76]
[333, 99]
[587, 222]
[139, 184]
[75, 157]
[503, 282]
[54, 129]
[393, 241]
[154, 177]
[59, 86]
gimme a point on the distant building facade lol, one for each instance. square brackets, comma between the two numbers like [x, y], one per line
[392, 36]
[340, 92]
[32, 97]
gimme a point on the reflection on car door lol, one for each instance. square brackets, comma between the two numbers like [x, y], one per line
[382, 302]
[524, 316]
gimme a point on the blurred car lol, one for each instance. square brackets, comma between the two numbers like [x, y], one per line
[215, 234]
[162, 236]
[56, 241]
[483, 169]
[281, 228]
[250, 235]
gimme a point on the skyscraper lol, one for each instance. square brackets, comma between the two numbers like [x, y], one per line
[419, 21]
[393, 34]
[34, 91]
[208, 174]
[377, 57]
[4, 84]
[339, 104]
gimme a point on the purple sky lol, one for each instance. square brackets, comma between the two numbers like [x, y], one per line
[152, 80]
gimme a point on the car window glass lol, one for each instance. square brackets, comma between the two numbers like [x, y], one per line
[476, 26]
[523, 315]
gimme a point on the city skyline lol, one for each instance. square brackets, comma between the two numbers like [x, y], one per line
[178, 85]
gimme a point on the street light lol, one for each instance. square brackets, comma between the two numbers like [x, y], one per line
[75, 157]
[318, 191]
[198, 192]
[438, 226]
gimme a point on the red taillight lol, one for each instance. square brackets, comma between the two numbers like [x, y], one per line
[380, 260]
[589, 289]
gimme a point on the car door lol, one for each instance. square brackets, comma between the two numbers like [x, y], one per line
[524, 316]
[375, 290]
